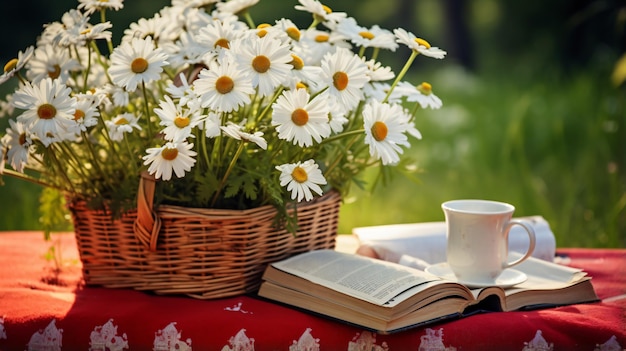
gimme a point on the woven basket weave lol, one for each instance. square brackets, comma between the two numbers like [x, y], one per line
[203, 253]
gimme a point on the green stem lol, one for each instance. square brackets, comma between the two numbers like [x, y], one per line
[230, 168]
[375, 53]
[249, 19]
[342, 135]
[61, 170]
[338, 159]
[147, 107]
[86, 74]
[269, 104]
[105, 132]
[76, 165]
[94, 46]
[414, 111]
[103, 18]
[131, 155]
[402, 73]
[26, 177]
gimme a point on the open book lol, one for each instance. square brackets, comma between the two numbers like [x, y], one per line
[386, 297]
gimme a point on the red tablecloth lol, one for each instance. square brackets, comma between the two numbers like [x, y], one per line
[34, 303]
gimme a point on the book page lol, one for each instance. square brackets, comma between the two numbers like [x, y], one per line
[371, 280]
[543, 275]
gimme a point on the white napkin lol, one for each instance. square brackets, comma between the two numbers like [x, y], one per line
[421, 244]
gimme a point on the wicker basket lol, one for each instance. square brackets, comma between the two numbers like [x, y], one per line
[203, 253]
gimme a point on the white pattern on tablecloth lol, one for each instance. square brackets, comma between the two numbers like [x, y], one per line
[105, 338]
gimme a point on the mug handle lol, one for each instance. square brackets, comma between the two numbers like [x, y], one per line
[531, 235]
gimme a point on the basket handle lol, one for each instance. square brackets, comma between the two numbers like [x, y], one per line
[147, 224]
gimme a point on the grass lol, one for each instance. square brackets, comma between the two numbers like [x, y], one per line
[553, 147]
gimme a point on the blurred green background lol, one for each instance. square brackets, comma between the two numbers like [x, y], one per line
[531, 114]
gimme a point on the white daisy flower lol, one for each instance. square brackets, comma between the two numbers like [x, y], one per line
[77, 30]
[92, 6]
[185, 93]
[113, 95]
[219, 34]
[19, 144]
[185, 51]
[124, 123]
[16, 64]
[136, 62]
[289, 32]
[177, 157]
[266, 60]
[301, 179]
[385, 128]
[235, 131]
[235, 6]
[223, 88]
[314, 44]
[418, 44]
[422, 94]
[377, 72]
[193, 19]
[212, 125]
[379, 90]
[321, 13]
[86, 114]
[160, 28]
[49, 109]
[337, 116]
[178, 120]
[299, 120]
[192, 3]
[346, 74]
[51, 61]
[6, 106]
[303, 75]
[375, 37]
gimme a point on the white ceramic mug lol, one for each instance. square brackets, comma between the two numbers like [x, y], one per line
[477, 238]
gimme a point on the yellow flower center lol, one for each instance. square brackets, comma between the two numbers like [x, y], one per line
[379, 131]
[322, 38]
[139, 65]
[340, 80]
[22, 139]
[261, 64]
[10, 65]
[224, 43]
[121, 121]
[300, 85]
[224, 85]
[327, 9]
[296, 62]
[46, 111]
[55, 72]
[299, 117]
[293, 33]
[299, 175]
[181, 122]
[367, 35]
[169, 153]
[422, 42]
[261, 32]
[425, 88]
[78, 114]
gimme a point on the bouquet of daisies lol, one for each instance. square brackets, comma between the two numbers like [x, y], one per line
[223, 112]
